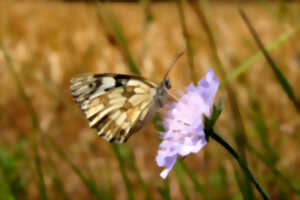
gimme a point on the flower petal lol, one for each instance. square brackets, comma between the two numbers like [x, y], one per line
[184, 123]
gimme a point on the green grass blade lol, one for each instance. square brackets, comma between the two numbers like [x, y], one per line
[21, 90]
[239, 132]
[261, 129]
[109, 187]
[58, 184]
[218, 180]
[274, 170]
[12, 184]
[280, 77]
[111, 20]
[117, 29]
[140, 179]
[55, 178]
[187, 39]
[197, 185]
[165, 190]
[180, 177]
[117, 150]
[5, 192]
[34, 120]
[90, 184]
[242, 68]
[88, 181]
[239, 182]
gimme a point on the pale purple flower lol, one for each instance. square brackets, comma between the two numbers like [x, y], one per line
[184, 122]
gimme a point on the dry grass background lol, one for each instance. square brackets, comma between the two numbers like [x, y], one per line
[50, 42]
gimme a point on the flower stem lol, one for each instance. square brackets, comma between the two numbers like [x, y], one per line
[241, 163]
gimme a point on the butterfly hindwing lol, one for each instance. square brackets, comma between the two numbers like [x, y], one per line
[115, 105]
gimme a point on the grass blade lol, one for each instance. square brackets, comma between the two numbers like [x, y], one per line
[140, 179]
[5, 192]
[134, 69]
[239, 136]
[90, 184]
[280, 77]
[55, 178]
[129, 189]
[242, 68]
[110, 20]
[197, 185]
[116, 27]
[239, 182]
[262, 130]
[187, 40]
[12, 184]
[34, 120]
[274, 170]
[218, 180]
[165, 191]
[180, 177]
[58, 184]
[148, 19]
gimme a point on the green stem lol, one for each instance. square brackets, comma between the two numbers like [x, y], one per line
[240, 137]
[241, 163]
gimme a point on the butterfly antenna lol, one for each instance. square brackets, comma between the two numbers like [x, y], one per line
[173, 63]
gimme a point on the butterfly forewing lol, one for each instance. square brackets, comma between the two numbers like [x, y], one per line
[116, 105]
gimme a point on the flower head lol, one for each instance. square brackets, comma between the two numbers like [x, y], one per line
[184, 123]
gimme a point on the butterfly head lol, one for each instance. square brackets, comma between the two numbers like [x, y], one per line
[162, 92]
[165, 85]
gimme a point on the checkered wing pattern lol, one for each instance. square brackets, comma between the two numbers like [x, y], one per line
[116, 105]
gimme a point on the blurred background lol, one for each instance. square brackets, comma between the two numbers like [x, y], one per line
[48, 151]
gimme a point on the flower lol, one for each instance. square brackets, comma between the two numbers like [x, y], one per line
[184, 122]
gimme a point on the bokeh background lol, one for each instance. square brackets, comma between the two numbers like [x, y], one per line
[47, 150]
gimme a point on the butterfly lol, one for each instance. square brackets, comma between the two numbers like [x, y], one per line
[118, 105]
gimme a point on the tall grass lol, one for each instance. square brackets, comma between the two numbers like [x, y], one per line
[260, 152]
[34, 121]
[279, 75]
[239, 132]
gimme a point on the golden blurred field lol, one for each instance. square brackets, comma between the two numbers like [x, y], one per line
[49, 42]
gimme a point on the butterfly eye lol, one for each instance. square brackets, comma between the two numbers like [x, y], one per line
[167, 84]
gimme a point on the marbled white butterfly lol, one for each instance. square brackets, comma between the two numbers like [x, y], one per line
[118, 105]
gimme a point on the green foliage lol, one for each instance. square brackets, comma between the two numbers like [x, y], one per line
[165, 190]
[279, 75]
[181, 180]
[16, 164]
[244, 66]
[88, 182]
[12, 179]
[34, 121]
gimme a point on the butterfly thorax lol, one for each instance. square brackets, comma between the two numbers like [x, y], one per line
[159, 99]
[162, 93]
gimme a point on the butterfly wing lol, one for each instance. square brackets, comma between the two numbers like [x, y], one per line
[116, 105]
